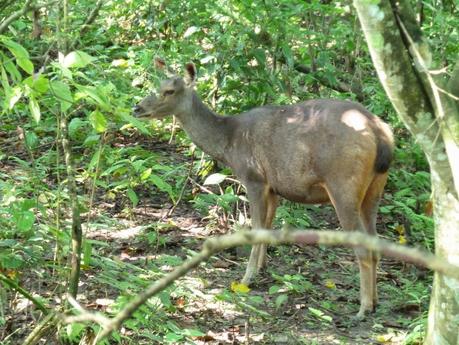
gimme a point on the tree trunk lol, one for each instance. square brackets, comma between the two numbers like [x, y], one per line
[443, 322]
[402, 60]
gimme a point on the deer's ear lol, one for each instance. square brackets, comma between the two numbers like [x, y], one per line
[190, 74]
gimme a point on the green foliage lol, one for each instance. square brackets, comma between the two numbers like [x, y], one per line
[247, 53]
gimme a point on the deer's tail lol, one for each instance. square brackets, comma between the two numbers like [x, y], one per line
[385, 147]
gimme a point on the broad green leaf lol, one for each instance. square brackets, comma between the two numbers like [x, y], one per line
[24, 220]
[21, 55]
[135, 122]
[98, 121]
[74, 330]
[133, 197]
[214, 179]
[87, 251]
[31, 140]
[16, 49]
[281, 299]
[77, 59]
[193, 332]
[145, 174]
[76, 127]
[34, 109]
[39, 84]
[162, 185]
[91, 140]
[173, 337]
[62, 92]
[95, 94]
[11, 68]
[95, 158]
[26, 65]
[5, 81]
[13, 96]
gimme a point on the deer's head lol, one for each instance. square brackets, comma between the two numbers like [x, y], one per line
[173, 97]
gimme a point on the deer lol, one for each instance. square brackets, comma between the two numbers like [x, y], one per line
[314, 152]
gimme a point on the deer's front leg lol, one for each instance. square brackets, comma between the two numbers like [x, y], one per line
[262, 210]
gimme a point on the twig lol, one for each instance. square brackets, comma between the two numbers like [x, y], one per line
[182, 191]
[7, 21]
[28, 6]
[338, 85]
[44, 326]
[305, 237]
[23, 292]
[91, 18]
[77, 233]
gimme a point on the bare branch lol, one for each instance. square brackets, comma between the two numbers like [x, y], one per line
[28, 6]
[86, 25]
[305, 237]
[338, 86]
[77, 233]
[24, 293]
[7, 21]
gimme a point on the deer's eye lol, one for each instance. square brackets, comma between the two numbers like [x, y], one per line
[168, 92]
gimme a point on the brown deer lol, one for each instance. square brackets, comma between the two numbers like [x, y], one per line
[315, 152]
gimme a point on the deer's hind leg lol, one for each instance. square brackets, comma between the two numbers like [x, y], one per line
[369, 212]
[263, 204]
[347, 198]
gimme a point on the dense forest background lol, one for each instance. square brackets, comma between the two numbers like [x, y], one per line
[72, 157]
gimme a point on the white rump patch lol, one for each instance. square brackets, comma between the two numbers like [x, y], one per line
[355, 119]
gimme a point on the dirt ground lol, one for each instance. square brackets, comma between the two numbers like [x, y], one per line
[319, 285]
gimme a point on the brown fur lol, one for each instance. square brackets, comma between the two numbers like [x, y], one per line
[313, 152]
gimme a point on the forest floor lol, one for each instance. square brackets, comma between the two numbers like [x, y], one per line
[307, 295]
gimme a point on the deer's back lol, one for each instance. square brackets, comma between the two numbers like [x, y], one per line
[306, 144]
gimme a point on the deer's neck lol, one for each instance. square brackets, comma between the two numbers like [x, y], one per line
[212, 133]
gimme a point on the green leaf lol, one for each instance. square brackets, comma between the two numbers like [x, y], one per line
[75, 127]
[13, 96]
[16, 49]
[145, 174]
[274, 289]
[98, 121]
[162, 185]
[189, 332]
[39, 84]
[280, 300]
[95, 94]
[135, 122]
[34, 109]
[91, 140]
[31, 140]
[173, 337]
[77, 59]
[11, 68]
[21, 55]
[62, 92]
[133, 197]
[24, 220]
[87, 250]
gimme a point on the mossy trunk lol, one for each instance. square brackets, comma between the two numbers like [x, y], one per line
[443, 322]
[396, 46]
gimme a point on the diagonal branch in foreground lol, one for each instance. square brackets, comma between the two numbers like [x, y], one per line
[305, 237]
